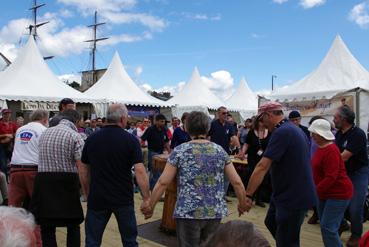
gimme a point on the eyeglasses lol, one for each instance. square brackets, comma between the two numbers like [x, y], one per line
[224, 113]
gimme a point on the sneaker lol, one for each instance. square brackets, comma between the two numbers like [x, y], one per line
[353, 241]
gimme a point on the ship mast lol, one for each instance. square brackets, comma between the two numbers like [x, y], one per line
[93, 46]
[33, 27]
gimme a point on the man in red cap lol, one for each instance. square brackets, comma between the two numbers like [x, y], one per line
[7, 132]
[288, 157]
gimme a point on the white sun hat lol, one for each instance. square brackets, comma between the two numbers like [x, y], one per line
[323, 128]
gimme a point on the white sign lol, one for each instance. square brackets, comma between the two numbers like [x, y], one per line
[31, 106]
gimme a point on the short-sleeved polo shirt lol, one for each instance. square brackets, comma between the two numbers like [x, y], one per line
[111, 153]
[354, 140]
[291, 172]
[221, 134]
[156, 138]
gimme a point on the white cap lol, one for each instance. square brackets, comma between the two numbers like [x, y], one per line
[323, 128]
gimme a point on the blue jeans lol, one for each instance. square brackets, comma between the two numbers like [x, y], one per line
[96, 221]
[331, 213]
[154, 174]
[359, 179]
[285, 224]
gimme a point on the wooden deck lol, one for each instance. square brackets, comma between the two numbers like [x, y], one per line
[310, 234]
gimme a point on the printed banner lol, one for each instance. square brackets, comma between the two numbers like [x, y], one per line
[312, 108]
[31, 106]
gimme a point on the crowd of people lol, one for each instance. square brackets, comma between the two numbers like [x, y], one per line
[49, 165]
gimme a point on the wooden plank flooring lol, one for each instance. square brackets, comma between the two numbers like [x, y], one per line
[310, 234]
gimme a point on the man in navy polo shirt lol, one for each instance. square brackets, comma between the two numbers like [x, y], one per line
[157, 140]
[223, 133]
[288, 157]
[352, 142]
[110, 154]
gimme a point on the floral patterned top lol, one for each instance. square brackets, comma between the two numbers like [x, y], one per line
[200, 180]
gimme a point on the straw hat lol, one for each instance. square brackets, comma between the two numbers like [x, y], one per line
[323, 128]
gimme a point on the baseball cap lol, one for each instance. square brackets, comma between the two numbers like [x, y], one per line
[294, 114]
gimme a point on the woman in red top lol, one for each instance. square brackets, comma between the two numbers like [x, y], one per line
[333, 186]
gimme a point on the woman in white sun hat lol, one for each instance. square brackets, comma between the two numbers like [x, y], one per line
[334, 188]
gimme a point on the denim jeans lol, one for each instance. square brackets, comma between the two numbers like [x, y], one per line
[96, 221]
[154, 174]
[285, 225]
[359, 179]
[331, 213]
[192, 232]
[49, 238]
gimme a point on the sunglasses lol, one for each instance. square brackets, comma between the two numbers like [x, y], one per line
[224, 113]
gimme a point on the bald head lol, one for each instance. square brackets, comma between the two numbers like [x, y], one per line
[117, 114]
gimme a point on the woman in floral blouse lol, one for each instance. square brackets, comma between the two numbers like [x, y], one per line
[200, 166]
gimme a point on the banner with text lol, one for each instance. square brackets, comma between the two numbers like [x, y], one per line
[31, 106]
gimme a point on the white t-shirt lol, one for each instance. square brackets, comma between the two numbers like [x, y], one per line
[26, 144]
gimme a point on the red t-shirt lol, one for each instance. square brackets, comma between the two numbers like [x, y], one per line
[7, 127]
[330, 175]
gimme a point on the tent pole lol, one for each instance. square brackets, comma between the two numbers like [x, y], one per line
[357, 99]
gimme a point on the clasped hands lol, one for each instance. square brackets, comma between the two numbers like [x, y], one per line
[146, 209]
[245, 206]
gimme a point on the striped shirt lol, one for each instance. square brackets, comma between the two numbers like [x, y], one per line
[60, 147]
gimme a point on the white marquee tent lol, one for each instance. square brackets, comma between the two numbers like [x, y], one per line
[243, 100]
[195, 95]
[117, 86]
[340, 78]
[29, 78]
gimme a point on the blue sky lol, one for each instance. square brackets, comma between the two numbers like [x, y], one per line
[161, 41]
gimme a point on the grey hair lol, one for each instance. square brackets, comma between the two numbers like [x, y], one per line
[236, 233]
[197, 123]
[116, 112]
[71, 115]
[16, 227]
[39, 115]
[347, 113]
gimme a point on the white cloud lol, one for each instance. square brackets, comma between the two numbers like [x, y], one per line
[138, 70]
[152, 22]
[200, 16]
[359, 14]
[257, 36]
[146, 87]
[69, 78]
[55, 38]
[100, 5]
[279, 1]
[220, 82]
[115, 12]
[307, 4]
[66, 13]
